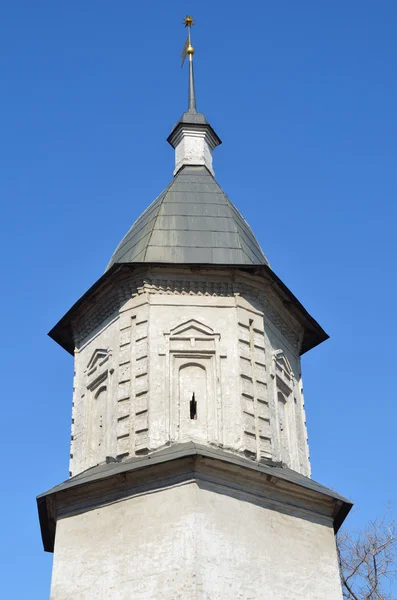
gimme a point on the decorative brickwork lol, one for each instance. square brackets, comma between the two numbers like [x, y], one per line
[200, 286]
[257, 430]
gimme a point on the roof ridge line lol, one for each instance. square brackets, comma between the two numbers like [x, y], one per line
[156, 217]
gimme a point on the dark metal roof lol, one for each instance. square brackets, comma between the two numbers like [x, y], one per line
[192, 221]
[172, 453]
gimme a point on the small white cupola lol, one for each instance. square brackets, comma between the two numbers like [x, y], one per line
[193, 137]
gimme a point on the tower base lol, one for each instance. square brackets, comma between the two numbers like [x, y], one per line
[191, 522]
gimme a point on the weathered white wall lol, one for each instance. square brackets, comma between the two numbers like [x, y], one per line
[188, 542]
[134, 374]
[193, 146]
[273, 408]
[287, 380]
[94, 398]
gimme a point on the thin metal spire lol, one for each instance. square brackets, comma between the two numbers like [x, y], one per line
[189, 50]
[192, 92]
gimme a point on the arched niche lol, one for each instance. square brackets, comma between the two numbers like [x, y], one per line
[283, 424]
[285, 409]
[193, 399]
[99, 402]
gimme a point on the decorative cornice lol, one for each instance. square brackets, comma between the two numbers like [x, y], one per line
[187, 286]
[107, 295]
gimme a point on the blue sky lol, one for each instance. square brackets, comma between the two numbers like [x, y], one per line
[303, 95]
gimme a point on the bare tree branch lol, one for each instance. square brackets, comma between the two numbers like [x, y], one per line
[368, 560]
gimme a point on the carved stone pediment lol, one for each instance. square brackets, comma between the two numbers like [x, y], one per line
[191, 328]
[192, 334]
[98, 367]
[283, 365]
[100, 355]
[283, 372]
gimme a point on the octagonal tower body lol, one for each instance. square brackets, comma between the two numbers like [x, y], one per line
[188, 354]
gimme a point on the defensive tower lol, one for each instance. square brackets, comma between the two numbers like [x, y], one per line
[190, 473]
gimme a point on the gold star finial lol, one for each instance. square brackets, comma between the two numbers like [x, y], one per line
[188, 21]
[188, 48]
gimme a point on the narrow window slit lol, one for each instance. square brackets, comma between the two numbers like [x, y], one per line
[193, 408]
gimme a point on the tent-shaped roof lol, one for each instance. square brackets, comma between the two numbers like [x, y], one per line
[192, 221]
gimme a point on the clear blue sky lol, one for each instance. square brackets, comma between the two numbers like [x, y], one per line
[303, 95]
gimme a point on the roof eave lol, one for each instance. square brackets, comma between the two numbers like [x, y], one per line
[313, 333]
[62, 332]
[112, 472]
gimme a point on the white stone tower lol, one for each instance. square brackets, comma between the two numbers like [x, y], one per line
[189, 461]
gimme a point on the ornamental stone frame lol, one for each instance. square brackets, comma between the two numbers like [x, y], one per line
[97, 407]
[290, 416]
[193, 345]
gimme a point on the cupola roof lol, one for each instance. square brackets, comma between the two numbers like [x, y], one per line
[192, 221]
[191, 225]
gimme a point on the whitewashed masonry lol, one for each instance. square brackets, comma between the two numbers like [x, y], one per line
[186, 355]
